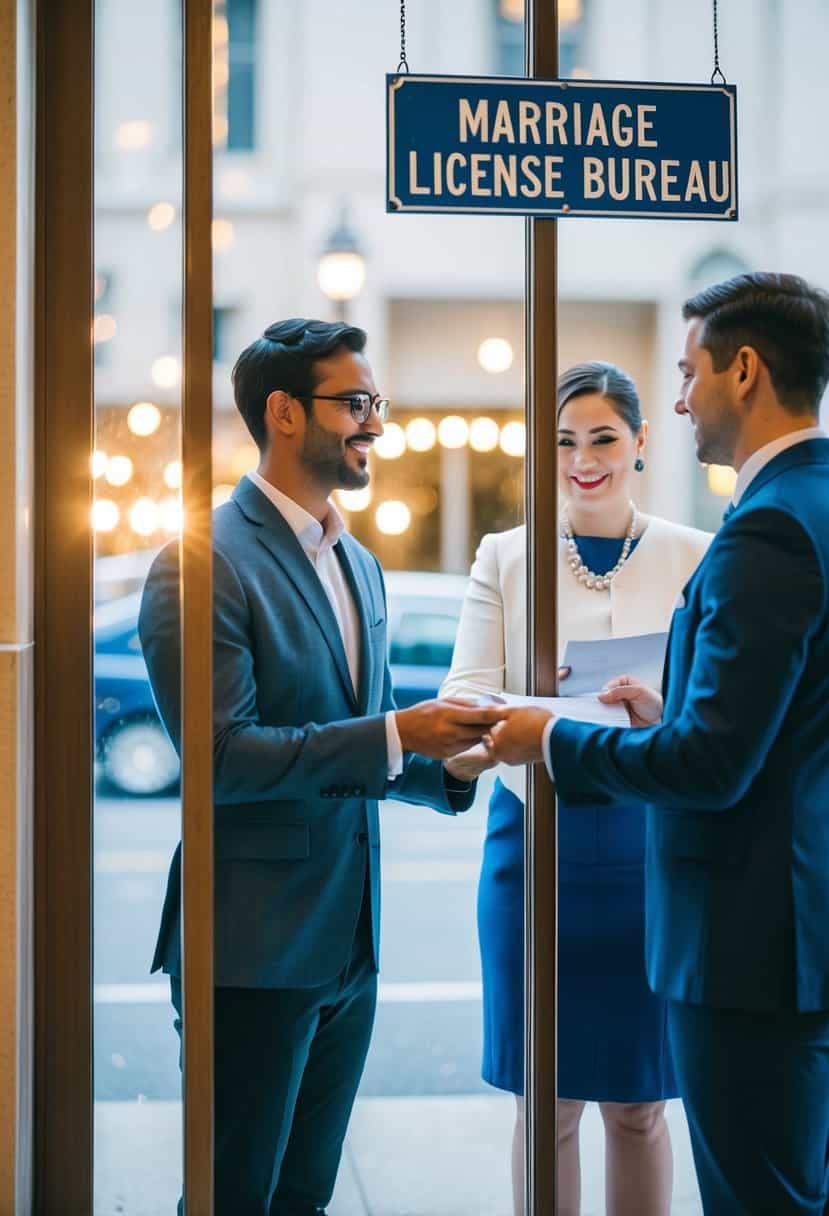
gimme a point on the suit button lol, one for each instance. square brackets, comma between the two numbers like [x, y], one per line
[361, 837]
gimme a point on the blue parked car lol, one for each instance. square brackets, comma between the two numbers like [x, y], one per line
[134, 755]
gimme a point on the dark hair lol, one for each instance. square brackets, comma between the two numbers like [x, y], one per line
[284, 358]
[784, 319]
[610, 382]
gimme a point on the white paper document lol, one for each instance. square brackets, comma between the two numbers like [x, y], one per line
[592, 664]
[580, 709]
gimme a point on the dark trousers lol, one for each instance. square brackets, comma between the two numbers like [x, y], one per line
[288, 1063]
[756, 1093]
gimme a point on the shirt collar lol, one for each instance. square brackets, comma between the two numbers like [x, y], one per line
[759, 459]
[316, 538]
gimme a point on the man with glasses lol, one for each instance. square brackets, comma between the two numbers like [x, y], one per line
[306, 740]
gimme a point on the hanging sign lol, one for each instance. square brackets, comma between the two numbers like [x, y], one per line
[510, 146]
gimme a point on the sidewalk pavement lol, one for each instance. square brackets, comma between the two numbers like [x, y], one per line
[418, 1156]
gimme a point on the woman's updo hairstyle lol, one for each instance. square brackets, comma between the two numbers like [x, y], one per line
[610, 382]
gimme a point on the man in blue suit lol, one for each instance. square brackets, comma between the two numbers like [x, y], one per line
[737, 773]
[306, 740]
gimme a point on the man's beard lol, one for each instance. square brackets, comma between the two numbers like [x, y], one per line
[326, 463]
[717, 439]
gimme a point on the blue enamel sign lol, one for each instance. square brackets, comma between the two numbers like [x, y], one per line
[510, 146]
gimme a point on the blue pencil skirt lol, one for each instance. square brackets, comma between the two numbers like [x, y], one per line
[612, 1031]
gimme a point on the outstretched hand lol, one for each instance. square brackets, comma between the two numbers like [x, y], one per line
[643, 703]
[441, 729]
[468, 765]
[517, 738]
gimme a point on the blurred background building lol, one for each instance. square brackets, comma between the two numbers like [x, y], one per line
[300, 229]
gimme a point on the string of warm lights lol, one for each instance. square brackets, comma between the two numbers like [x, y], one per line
[146, 516]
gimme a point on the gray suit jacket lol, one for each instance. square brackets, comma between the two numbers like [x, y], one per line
[299, 760]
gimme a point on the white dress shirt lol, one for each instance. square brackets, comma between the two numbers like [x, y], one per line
[317, 541]
[759, 459]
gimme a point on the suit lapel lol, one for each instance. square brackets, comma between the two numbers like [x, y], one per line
[278, 538]
[363, 602]
[810, 451]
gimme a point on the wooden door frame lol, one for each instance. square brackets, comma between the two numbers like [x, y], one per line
[63, 609]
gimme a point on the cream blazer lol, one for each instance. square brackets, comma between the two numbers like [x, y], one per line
[491, 642]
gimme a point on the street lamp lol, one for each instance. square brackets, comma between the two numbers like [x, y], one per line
[341, 270]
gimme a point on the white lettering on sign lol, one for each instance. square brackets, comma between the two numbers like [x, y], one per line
[659, 180]
[620, 178]
[473, 123]
[529, 117]
[532, 187]
[597, 129]
[453, 160]
[502, 127]
[644, 125]
[718, 196]
[593, 177]
[486, 175]
[622, 135]
[551, 176]
[414, 188]
[519, 122]
[696, 183]
[668, 180]
[555, 113]
[645, 172]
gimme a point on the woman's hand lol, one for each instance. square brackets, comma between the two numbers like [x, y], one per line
[468, 765]
[643, 703]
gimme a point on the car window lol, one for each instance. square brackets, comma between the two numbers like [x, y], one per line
[423, 639]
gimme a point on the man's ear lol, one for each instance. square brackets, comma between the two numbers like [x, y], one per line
[282, 412]
[747, 368]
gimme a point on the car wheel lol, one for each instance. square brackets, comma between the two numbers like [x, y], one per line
[138, 758]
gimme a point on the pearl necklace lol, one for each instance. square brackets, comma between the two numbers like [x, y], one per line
[595, 582]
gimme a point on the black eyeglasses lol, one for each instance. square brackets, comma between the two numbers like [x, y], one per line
[360, 404]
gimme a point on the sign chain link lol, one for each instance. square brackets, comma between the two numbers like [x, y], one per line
[403, 65]
[717, 69]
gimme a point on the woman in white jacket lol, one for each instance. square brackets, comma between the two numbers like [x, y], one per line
[620, 573]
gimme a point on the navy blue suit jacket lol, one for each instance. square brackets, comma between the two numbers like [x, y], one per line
[299, 760]
[737, 775]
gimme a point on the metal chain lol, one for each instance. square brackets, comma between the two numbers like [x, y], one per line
[403, 65]
[717, 69]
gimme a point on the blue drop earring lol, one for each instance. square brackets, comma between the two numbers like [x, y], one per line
[639, 464]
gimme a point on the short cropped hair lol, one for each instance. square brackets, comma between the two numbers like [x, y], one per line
[610, 382]
[783, 318]
[284, 358]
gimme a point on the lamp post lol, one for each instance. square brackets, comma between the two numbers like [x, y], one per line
[341, 269]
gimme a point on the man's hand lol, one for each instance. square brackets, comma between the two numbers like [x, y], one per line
[444, 728]
[468, 765]
[643, 703]
[517, 739]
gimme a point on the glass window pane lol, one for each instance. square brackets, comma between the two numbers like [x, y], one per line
[137, 511]
[427, 1133]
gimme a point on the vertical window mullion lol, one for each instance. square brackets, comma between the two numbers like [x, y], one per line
[196, 615]
[63, 609]
[541, 848]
